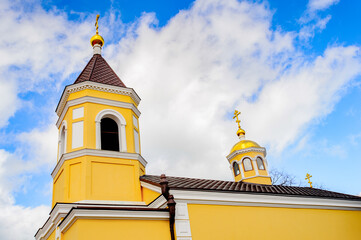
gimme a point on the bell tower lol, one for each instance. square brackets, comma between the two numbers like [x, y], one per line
[99, 154]
[248, 159]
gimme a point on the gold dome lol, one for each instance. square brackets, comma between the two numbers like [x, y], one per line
[243, 144]
[97, 39]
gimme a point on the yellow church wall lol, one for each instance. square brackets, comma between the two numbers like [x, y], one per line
[68, 117]
[272, 223]
[97, 178]
[249, 173]
[72, 232]
[59, 188]
[95, 229]
[75, 181]
[259, 180]
[90, 112]
[148, 195]
[117, 177]
[263, 172]
[52, 236]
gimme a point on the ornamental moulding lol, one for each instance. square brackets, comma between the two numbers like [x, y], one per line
[252, 149]
[94, 86]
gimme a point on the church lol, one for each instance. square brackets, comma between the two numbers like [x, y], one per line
[101, 189]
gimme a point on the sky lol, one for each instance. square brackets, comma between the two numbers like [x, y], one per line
[293, 68]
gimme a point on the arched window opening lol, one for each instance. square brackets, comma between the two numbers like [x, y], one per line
[260, 164]
[236, 169]
[247, 165]
[62, 141]
[109, 134]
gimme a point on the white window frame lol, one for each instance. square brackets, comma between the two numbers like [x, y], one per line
[62, 142]
[119, 119]
[250, 162]
[263, 164]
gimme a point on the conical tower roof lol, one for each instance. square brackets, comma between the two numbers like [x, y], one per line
[98, 70]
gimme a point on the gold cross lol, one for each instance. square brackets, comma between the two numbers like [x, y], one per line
[236, 113]
[96, 24]
[308, 176]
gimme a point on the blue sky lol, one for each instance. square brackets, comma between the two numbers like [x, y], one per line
[291, 67]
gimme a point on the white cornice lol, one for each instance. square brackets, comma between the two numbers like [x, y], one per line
[89, 99]
[106, 202]
[97, 153]
[95, 86]
[60, 210]
[251, 149]
[159, 202]
[150, 186]
[76, 214]
[263, 200]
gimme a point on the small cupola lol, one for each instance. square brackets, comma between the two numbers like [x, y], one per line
[97, 41]
[247, 159]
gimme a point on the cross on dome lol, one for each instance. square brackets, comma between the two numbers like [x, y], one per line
[240, 133]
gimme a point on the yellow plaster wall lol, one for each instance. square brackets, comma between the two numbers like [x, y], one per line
[72, 233]
[52, 236]
[75, 181]
[90, 112]
[98, 178]
[96, 229]
[112, 181]
[259, 180]
[59, 187]
[148, 195]
[240, 222]
[262, 172]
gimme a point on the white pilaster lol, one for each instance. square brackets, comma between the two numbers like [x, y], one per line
[182, 224]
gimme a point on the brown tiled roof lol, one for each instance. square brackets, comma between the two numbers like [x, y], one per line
[98, 70]
[230, 186]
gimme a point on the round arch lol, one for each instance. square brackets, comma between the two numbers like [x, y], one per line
[62, 138]
[119, 119]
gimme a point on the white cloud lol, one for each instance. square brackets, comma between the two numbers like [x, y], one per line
[311, 20]
[36, 152]
[191, 74]
[318, 5]
[34, 48]
[317, 25]
[18, 222]
[215, 57]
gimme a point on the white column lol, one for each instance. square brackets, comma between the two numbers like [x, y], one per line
[255, 166]
[240, 165]
[123, 140]
[97, 135]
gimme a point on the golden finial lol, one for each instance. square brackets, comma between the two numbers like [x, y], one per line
[240, 130]
[308, 176]
[97, 39]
